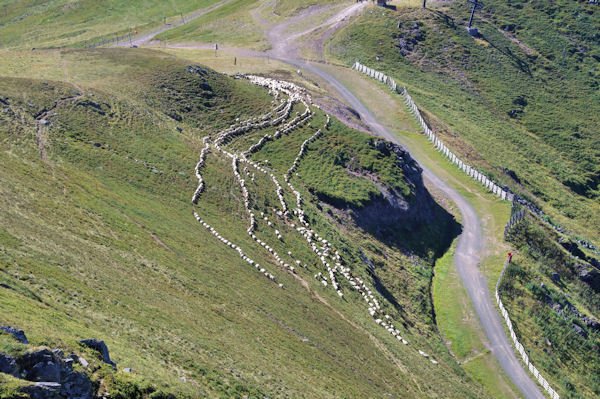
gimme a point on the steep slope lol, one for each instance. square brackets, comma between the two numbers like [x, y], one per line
[551, 293]
[519, 101]
[99, 239]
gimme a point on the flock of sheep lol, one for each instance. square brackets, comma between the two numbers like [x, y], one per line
[329, 257]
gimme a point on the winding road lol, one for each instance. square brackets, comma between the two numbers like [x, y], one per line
[470, 243]
[467, 254]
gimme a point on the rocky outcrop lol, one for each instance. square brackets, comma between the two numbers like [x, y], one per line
[8, 365]
[567, 310]
[391, 208]
[50, 371]
[53, 375]
[43, 390]
[590, 276]
[409, 37]
[76, 386]
[18, 334]
[101, 347]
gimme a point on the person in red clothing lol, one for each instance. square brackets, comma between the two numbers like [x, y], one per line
[510, 257]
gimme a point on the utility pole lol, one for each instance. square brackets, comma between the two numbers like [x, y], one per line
[476, 4]
[216, 48]
[182, 20]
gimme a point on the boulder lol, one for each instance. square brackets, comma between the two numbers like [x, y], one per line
[30, 359]
[101, 347]
[591, 277]
[77, 386]
[43, 390]
[58, 354]
[18, 334]
[66, 366]
[44, 371]
[8, 365]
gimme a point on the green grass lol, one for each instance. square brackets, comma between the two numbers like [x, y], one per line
[231, 24]
[82, 256]
[471, 113]
[235, 25]
[468, 88]
[481, 369]
[10, 386]
[287, 8]
[390, 111]
[570, 362]
[454, 312]
[61, 23]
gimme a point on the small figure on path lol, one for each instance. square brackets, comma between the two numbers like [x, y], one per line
[510, 257]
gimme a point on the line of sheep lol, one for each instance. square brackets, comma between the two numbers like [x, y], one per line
[321, 247]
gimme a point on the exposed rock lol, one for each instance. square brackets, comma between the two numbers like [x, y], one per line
[43, 390]
[77, 386]
[58, 353]
[30, 359]
[579, 330]
[591, 277]
[101, 347]
[66, 366]
[52, 373]
[44, 371]
[513, 175]
[197, 70]
[18, 334]
[8, 365]
[591, 323]
[391, 208]
[175, 116]
[409, 38]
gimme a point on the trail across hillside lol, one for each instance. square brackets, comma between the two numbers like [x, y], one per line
[149, 35]
[470, 243]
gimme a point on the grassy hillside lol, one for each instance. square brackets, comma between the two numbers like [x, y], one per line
[520, 98]
[37, 23]
[231, 24]
[552, 306]
[241, 23]
[98, 239]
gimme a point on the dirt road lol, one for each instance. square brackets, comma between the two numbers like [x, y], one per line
[285, 47]
[470, 243]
